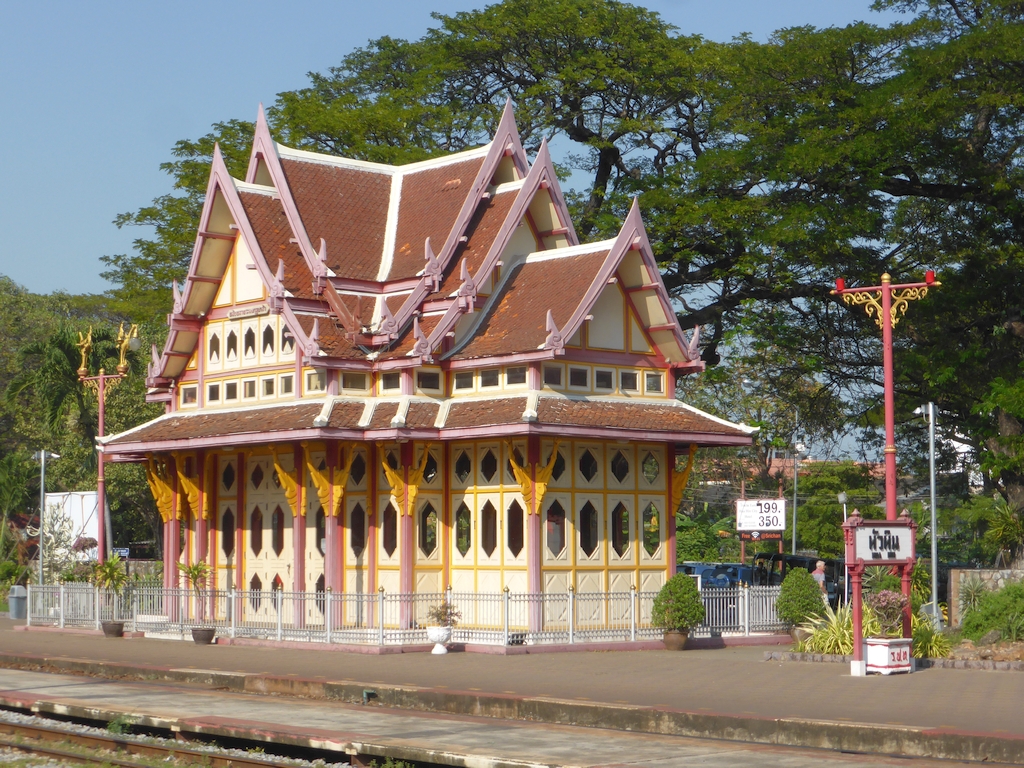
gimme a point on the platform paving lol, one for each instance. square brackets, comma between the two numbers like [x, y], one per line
[722, 693]
[365, 733]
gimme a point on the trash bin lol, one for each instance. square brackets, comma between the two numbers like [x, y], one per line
[17, 600]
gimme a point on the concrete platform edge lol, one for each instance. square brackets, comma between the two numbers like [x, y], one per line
[942, 743]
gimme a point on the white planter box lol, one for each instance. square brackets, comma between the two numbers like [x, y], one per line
[888, 655]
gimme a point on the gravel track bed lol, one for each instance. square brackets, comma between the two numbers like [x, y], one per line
[17, 718]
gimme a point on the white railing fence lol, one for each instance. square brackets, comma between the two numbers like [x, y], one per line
[395, 619]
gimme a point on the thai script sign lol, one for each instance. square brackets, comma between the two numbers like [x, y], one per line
[884, 543]
[235, 314]
[760, 514]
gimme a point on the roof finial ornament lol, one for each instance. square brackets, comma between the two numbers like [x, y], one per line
[432, 271]
[692, 350]
[154, 365]
[467, 291]
[320, 268]
[554, 340]
[312, 347]
[277, 289]
[176, 294]
[388, 324]
[421, 348]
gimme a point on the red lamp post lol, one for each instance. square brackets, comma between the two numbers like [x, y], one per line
[886, 303]
[125, 341]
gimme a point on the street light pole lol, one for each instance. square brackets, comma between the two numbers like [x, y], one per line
[885, 303]
[846, 566]
[42, 456]
[929, 413]
[126, 340]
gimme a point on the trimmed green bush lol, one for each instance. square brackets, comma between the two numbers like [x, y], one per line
[799, 598]
[678, 604]
[996, 610]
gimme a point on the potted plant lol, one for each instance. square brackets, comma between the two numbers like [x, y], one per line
[677, 609]
[441, 619]
[196, 574]
[111, 575]
[887, 652]
[800, 600]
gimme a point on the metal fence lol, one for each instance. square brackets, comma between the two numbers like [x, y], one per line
[395, 619]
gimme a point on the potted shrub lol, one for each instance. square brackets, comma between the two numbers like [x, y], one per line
[110, 574]
[677, 609]
[196, 574]
[800, 600]
[887, 651]
[441, 619]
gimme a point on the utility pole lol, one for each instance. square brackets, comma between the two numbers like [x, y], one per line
[42, 457]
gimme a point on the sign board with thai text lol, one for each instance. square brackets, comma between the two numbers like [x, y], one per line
[760, 514]
[884, 543]
[122, 552]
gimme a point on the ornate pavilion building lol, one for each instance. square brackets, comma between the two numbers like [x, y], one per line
[417, 377]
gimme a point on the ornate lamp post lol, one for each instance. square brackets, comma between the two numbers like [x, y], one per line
[125, 341]
[886, 303]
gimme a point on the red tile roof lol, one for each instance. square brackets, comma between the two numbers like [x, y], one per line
[383, 413]
[648, 417]
[273, 234]
[515, 318]
[482, 229]
[223, 423]
[348, 208]
[485, 413]
[345, 415]
[430, 204]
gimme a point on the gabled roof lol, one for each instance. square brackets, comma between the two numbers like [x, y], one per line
[372, 263]
[542, 301]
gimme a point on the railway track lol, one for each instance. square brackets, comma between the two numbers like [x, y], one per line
[42, 741]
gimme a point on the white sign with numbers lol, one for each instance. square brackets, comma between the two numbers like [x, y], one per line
[760, 514]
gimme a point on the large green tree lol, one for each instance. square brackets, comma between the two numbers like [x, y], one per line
[765, 170]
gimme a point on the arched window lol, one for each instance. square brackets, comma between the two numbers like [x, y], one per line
[321, 530]
[277, 531]
[320, 589]
[588, 529]
[232, 352]
[256, 592]
[463, 530]
[268, 340]
[249, 343]
[287, 340]
[514, 523]
[357, 530]
[620, 529]
[227, 533]
[488, 528]
[214, 348]
[428, 530]
[389, 530]
[555, 523]
[256, 531]
[652, 529]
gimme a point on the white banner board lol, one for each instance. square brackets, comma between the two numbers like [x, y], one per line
[77, 511]
[760, 514]
[884, 542]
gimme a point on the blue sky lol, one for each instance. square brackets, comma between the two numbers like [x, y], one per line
[94, 95]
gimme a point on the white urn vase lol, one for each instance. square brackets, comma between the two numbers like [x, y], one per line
[439, 636]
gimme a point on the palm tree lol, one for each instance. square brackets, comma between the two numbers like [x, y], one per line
[1006, 533]
[50, 372]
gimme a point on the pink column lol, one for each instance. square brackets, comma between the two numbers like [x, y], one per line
[670, 512]
[534, 540]
[890, 417]
[239, 524]
[405, 536]
[168, 562]
[299, 526]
